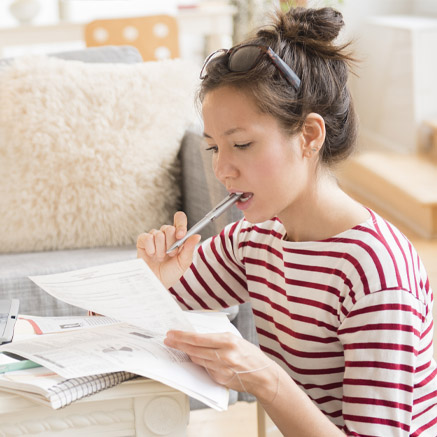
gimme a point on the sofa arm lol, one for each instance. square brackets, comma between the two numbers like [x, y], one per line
[200, 189]
[245, 324]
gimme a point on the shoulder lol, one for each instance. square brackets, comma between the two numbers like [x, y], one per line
[270, 232]
[241, 236]
[385, 258]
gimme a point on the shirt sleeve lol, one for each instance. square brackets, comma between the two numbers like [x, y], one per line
[216, 279]
[384, 359]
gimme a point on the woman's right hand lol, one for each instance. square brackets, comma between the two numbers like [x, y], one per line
[152, 247]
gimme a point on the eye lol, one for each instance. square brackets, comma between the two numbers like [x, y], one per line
[213, 149]
[242, 146]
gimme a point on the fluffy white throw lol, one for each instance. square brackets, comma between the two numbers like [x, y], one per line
[88, 152]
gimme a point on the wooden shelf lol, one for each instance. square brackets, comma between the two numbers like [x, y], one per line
[404, 186]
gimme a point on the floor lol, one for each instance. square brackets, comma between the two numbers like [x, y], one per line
[240, 420]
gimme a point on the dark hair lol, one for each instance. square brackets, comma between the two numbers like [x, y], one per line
[304, 39]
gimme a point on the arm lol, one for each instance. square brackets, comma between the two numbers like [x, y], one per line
[239, 365]
[381, 338]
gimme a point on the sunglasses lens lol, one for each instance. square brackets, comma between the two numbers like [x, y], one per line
[244, 58]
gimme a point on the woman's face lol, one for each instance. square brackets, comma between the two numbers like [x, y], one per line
[251, 154]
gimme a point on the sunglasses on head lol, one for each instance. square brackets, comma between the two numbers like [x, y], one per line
[245, 57]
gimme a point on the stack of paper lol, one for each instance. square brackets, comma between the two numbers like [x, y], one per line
[130, 293]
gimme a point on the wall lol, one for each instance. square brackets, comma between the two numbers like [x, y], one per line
[425, 7]
[80, 10]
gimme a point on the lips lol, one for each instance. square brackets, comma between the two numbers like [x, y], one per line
[244, 201]
[245, 197]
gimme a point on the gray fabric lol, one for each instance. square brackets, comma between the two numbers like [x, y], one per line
[16, 267]
[200, 189]
[105, 54]
[246, 325]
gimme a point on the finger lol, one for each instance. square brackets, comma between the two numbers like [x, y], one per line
[170, 238]
[145, 245]
[197, 354]
[185, 255]
[200, 349]
[180, 223]
[159, 243]
[212, 341]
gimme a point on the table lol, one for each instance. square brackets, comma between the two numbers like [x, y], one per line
[140, 407]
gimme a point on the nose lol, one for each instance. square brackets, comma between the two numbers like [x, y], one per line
[224, 167]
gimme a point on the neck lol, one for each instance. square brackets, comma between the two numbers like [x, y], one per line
[321, 212]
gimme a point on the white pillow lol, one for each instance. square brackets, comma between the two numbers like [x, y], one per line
[88, 152]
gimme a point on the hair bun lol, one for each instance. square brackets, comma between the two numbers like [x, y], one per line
[316, 24]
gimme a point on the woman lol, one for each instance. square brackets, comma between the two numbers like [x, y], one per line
[342, 303]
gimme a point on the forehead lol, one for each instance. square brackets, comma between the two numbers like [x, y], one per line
[230, 104]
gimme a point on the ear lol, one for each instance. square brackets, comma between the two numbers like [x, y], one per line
[313, 134]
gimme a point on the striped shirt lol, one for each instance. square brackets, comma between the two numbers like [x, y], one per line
[349, 318]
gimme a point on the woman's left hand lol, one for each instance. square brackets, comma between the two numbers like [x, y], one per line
[230, 360]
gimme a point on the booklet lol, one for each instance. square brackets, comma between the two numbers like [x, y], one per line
[130, 293]
[48, 388]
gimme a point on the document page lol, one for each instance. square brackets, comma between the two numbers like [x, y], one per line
[123, 347]
[49, 325]
[127, 291]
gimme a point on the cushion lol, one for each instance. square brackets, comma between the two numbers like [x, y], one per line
[89, 151]
[106, 54]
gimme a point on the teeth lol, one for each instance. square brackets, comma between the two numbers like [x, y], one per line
[245, 197]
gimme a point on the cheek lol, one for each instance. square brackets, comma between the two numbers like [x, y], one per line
[214, 165]
[272, 169]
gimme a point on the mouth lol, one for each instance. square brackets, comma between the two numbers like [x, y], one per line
[245, 197]
[244, 201]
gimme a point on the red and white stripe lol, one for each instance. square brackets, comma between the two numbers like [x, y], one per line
[349, 318]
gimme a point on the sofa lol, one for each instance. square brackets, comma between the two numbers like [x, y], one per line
[37, 236]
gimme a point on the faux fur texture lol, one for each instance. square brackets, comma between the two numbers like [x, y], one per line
[88, 152]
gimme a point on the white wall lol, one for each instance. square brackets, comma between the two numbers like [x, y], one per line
[425, 7]
[87, 10]
[393, 90]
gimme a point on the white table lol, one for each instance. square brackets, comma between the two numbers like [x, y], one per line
[140, 408]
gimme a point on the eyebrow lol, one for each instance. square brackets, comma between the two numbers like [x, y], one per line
[228, 132]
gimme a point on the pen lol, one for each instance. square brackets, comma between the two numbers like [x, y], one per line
[218, 210]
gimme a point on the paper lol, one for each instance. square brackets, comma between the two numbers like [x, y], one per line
[50, 325]
[123, 347]
[127, 291]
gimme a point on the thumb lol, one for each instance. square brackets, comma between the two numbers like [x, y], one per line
[185, 256]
